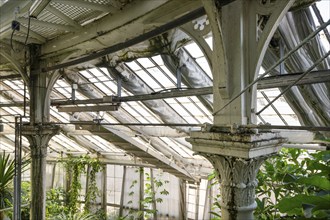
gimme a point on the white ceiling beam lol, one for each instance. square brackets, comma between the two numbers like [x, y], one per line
[38, 6]
[62, 16]
[33, 34]
[29, 41]
[129, 23]
[44, 24]
[88, 5]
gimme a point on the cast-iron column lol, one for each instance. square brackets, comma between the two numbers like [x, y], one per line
[236, 158]
[38, 132]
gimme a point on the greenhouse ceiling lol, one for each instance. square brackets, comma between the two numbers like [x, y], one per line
[135, 102]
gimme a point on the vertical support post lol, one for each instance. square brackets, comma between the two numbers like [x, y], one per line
[105, 189]
[281, 56]
[119, 80]
[141, 192]
[87, 184]
[154, 205]
[122, 193]
[197, 201]
[207, 204]
[53, 176]
[18, 168]
[37, 133]
[182, 200]
[38, 137]
[179, 79]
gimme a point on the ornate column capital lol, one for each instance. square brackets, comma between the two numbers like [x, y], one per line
[247, 144]
[236, 156]
[38, 137]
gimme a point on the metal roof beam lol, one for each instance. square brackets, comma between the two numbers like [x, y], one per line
[44, 24]
[319, 76]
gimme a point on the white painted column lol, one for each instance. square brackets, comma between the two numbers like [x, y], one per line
[237, 157]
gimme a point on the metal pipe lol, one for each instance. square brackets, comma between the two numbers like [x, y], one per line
[295, 82]
[18, 168]
[261, 127]
[319, 76]
[320, 19]
[323, 26]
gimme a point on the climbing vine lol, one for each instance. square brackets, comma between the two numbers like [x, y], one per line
[75, 166]
[153, 188]
[92, 191]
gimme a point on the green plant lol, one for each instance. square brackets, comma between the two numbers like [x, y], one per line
[152, 187]
[55, 202]
[7, 172]
[294, 184]
[74, 216]
[215, 209]
[92, 191]
[75, 166]
[26, 196]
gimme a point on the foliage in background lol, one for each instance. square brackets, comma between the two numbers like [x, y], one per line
[7, 173]
[92, 191]
[74, 216]
[215, 208]
[55, 202]
[152, 187]
[75, 166]
[294, 184]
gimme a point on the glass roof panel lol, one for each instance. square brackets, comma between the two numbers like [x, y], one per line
[133, 66]
[166, 81]
[158, 59]
[145, 62]
[148, 79]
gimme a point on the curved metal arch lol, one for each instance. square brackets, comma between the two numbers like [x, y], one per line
[197, 37]
[16, 65]
[219, 57]
[53, 78]
[280, 9]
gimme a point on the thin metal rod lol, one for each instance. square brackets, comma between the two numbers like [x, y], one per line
[295, 82]
[319, 76]
[18, 168]
[274, 108]
[24, 100]
[125, 124]
[267, 127]
[145, 36]
[320, 19]
[276, 64]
